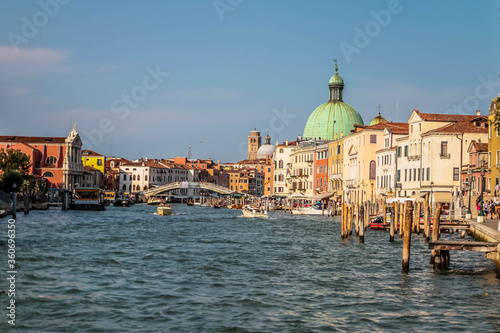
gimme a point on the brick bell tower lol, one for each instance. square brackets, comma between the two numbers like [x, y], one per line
[254, 141]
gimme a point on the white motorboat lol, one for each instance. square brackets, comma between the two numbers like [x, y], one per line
[315, 209]
[165, 209]
[251, 211]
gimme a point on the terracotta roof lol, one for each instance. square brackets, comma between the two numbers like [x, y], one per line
[459, 127]
[88, 152]
[480, 146]
[89, 168]
[445, 117]
[32, 139]
[290, 143]
[151, 164]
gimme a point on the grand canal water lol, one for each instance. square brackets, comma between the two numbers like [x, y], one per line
[207, 270]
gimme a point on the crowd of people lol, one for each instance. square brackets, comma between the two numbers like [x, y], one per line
[491, 208]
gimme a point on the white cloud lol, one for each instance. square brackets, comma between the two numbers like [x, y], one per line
[36, 56]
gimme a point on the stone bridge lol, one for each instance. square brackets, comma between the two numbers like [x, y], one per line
[200, 185]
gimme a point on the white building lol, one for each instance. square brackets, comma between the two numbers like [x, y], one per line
[431, 157]
[283, 168]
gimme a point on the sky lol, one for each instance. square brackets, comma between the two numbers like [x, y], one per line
[149, 78]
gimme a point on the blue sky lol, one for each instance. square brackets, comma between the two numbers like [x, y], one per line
[148, 78]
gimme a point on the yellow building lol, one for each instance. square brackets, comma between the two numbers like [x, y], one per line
[493, 147]
[335, 162]
[94, 160]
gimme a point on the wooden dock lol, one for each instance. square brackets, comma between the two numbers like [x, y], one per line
[444, 245]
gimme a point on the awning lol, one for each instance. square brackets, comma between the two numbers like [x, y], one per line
[322, 196]
[400, 200]
[442, 196]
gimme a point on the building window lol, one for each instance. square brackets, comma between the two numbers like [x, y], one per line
[51, 160]
[398, 175]
[455, 174]
[406, 150]
[399, 151]
[99, 162]
[373, 138]
[47, 174]
[428, 173]
[281, 150]
[444, 148]
[125, 177]
[372, 169]
[406, 173]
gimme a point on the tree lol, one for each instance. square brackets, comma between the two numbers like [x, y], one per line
[10, 178]
[13, 159]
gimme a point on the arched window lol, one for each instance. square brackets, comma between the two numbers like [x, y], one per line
[51, 160]
[129, 187]
[372, 169]
[124, 187]
[125, 177]
[145, 188]
[134, 179]
[281, 150]
[146, 177]
[280, 164]
[138, 177]
[47, 174]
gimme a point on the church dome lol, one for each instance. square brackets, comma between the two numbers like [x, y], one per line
[334, 116]
[377, 120]
[266, 150]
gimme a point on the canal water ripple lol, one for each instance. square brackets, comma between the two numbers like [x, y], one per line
[211, 270]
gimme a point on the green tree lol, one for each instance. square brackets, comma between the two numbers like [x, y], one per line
[10, 178]
[13, 159]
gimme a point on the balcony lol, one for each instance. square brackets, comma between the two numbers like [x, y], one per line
[445, 156]
[414, 158]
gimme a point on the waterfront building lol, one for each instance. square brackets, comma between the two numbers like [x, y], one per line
[302, 165]
[335, 166]
[94, 160]
[263, 166]
[431, 156]
[58, 160]
[335, 118]
[112, 172]
[283, 168]
[493, 146]
[359, 172]
[92, 177]
[478, 159]
[320, 180]
[386, 159]
[246, 181]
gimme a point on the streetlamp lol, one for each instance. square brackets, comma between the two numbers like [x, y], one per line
[480, 217]
[469, 212]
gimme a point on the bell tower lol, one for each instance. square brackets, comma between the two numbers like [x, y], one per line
[254, 141]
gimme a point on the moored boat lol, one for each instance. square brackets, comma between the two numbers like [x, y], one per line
[315, 209]
[122, 201]
[154, 201]
[86, 198]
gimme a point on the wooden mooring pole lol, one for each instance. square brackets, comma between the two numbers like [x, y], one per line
[361, 224]
[393, 221]
[426, 220]
[436, 254]
[407, 236]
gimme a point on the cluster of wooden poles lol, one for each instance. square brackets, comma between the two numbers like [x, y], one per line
[404, 219]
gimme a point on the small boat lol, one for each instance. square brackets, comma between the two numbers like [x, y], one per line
[164, 209]
[86, 198]
[251, 211]
[377, 221]
[190, 203]
[315, 209]
[122, 201]
[154, 201]
[217, 205]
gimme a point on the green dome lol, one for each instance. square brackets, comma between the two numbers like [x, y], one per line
[377, 120]
[336, 80]
[333, 117]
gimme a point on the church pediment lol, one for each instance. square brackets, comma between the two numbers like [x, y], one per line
[414, 117]
[352, 150]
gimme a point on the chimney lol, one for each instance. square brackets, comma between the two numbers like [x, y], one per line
[286, 143]
[478, 113]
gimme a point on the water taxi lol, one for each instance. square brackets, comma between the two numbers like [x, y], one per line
[86, 198]
[315, 209]
[122, 201]
[165, 209]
